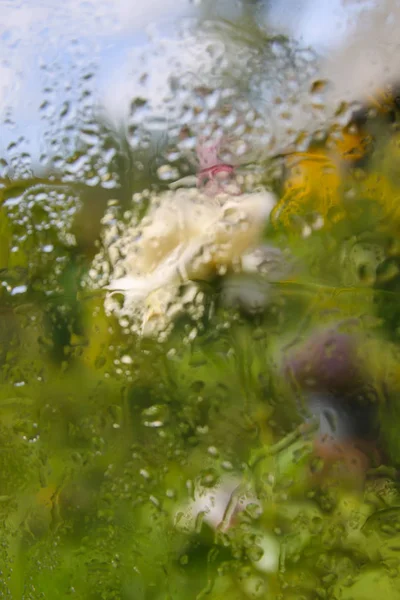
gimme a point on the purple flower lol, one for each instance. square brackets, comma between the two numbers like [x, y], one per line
[327, 361]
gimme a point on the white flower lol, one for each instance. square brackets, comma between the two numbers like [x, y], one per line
[268, 562]
[217, 506]
[185, 237]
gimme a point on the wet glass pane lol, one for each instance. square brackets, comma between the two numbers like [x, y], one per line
[199, 300]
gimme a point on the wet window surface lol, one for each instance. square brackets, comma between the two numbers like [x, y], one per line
[199, 322]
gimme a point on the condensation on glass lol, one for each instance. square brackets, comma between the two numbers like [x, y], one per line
[199, 300]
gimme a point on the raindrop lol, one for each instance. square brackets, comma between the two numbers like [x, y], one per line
[213, 451]
[65, 109]
[19, 289]
[167, 173]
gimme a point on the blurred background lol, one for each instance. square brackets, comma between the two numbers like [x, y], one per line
[188, 467]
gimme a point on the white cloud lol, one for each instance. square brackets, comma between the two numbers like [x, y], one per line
[368, 59]
[30, 28]
[110, 33]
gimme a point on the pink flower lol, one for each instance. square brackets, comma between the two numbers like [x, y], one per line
[214, 175]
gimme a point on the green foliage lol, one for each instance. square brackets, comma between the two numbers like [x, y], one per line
[115, 450]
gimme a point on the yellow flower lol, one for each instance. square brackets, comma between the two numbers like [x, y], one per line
[185, 237]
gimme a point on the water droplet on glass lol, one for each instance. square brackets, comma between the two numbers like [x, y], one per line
[167, 173]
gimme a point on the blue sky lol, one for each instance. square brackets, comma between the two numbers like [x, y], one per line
[50, 44]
